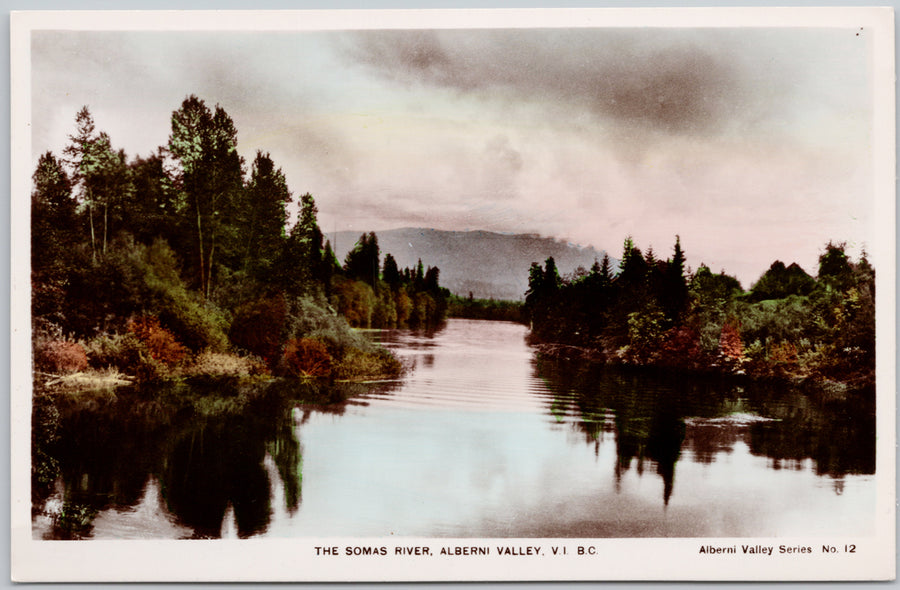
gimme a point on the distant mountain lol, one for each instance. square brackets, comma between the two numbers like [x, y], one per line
[484, 263]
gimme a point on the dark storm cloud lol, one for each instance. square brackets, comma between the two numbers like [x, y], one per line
[662, 79]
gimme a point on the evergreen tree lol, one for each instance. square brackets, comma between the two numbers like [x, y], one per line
[363, 261]
[535, 284]
[633, 269]
[606, 275]
[330, 267]
[419, 277]
[432, 276]
[834, 267]
[156, 210]
[53, 235]
[551, 275]
[264, 217]
[390, 272]
[864, 273]
[675, 290]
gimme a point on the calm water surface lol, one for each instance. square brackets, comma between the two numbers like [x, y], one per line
[482, 438]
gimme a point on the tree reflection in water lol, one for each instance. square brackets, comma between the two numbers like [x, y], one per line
[204, 443]
[657, 416]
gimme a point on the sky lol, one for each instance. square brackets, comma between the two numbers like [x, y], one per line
[751, 144]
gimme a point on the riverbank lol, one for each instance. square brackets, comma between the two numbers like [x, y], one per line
[632, 452]
[700, 364]
[108, 361]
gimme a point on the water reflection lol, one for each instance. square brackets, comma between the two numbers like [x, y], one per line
[196, 454]
[485, 440]
[657, 416]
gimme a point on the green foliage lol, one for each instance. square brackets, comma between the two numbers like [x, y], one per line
[307, 318]
[134, 279]
[486, 309]
[102, 179]
[645, 330]
[124, 351]
[373, 363]
[353, 356]
[151, 262]
[262, 219]
[219, 364]
[834, 267]
[53, 236]
[780, 281]
[355, 300]
[211, 177]
[384, 313]
[195, 322]
[789, 324]
[362, 262]
[772, 321]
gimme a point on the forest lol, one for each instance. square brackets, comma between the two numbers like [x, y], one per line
[183, 263]
[654, 312]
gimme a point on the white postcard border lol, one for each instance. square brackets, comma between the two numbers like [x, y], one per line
[296, 559]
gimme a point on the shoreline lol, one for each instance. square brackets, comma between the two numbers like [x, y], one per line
[739, 369]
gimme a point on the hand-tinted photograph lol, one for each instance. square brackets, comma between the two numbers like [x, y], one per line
[586, 282]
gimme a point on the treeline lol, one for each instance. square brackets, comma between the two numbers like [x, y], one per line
[654, 312]
[182, 262]
[370, 295]
[472, 308]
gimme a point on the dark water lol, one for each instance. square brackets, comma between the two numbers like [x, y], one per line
[481, 438]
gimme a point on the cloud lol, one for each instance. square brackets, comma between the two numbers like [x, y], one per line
[666, 81]
[725, 137]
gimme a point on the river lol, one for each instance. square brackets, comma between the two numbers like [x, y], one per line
[481, 438]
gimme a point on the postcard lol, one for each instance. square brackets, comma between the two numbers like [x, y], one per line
[453, 295]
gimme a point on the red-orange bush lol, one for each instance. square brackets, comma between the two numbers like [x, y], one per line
[160, 343]
[680, 347]
[307, 357]
[730, 345]
[61, 356]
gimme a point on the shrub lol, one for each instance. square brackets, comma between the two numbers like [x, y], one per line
[125, 352]
[60, 356]
[730, 345]
[223, 364]
[680, 347]
[783, 353]
[368, 364]
[308, 319]
[645, 330]
[114, 350]
[160, 343]
[258, 325]
[307, 357]
[755, 350]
